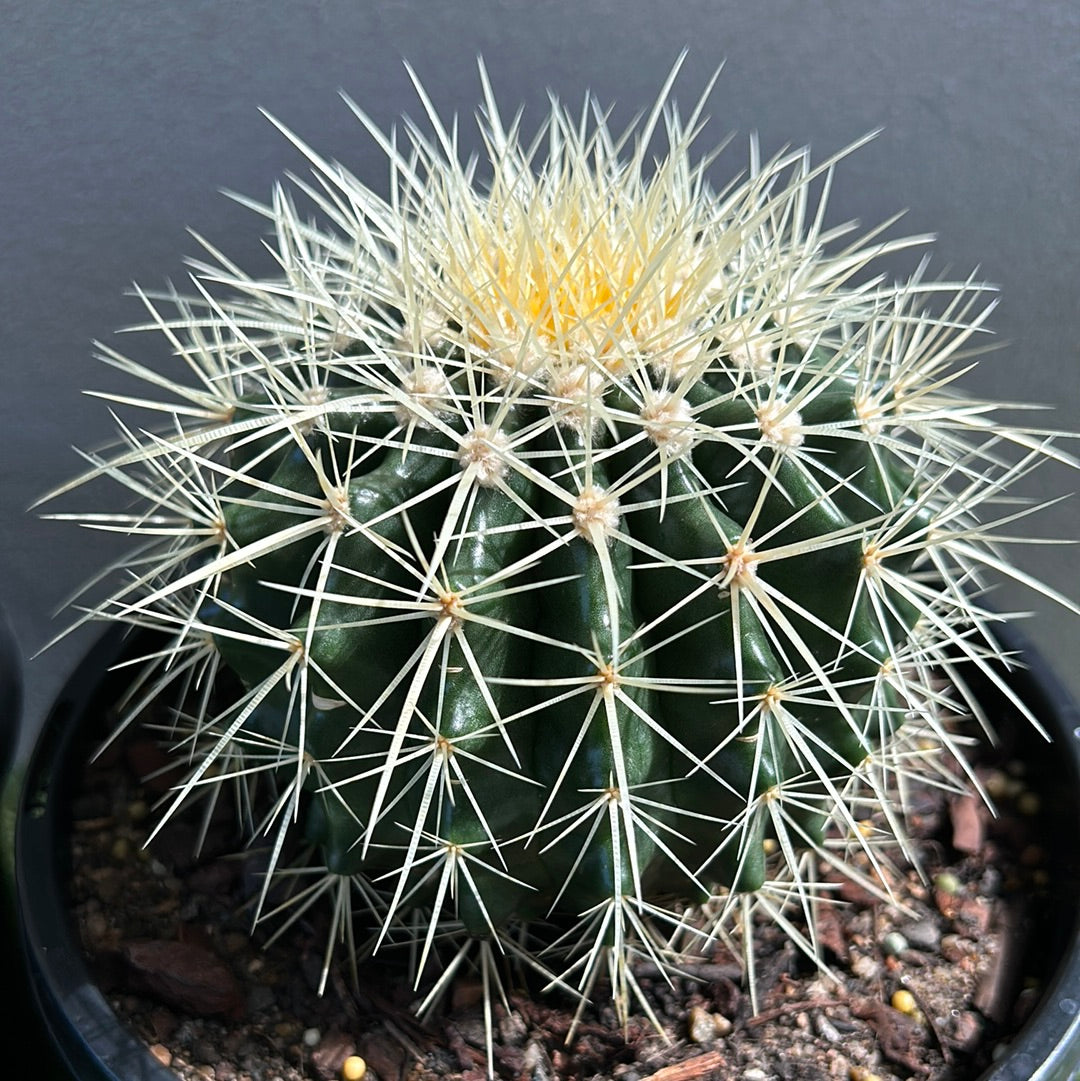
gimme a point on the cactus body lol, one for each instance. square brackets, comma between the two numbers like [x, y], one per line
[577, 541]
[631, 645]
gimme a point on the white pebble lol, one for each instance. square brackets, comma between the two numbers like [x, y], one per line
[826, 1029]
[864, 967]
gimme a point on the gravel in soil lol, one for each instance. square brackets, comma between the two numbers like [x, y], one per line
[927, 988]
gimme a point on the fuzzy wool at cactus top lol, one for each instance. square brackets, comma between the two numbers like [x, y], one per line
[585, 544]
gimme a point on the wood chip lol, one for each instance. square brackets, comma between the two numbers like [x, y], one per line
[830, 931]
[998, 988]
[383, 1054]
[900, 1037]
[690, 1069]
[186, 975]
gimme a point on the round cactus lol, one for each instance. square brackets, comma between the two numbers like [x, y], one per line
[584, 543]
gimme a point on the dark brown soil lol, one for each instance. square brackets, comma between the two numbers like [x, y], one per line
[168, 937]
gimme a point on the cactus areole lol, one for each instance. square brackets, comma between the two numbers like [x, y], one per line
[586, 544]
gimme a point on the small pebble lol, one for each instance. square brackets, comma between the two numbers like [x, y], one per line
[826, 1029]
[865, 967]
[1014, 788]
[893, 944]
[512, 1029]
[996, 783]
[161, 1053]
[311, 1037]
[904, 1001]
[353, 1068]
[954, 948]
[754, 1074]
[923, 935]
[536, 1062]
[96, 927]
[947, 882]
[700, 1025]
[861, 1073]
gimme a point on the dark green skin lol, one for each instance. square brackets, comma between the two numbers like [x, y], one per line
[578, 610]
[722, 735]
[710, 758]
[462, 714]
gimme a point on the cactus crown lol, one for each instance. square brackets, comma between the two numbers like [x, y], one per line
[586, 545]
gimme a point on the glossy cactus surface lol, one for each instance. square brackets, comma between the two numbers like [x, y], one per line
[583, 543]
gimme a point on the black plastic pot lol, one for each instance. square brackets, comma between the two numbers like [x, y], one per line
[91, 1045]
[80, 1038]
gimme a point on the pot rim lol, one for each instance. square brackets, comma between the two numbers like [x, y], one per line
[1047, 1047]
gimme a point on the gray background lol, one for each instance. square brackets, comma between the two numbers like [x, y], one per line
[118, 122]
